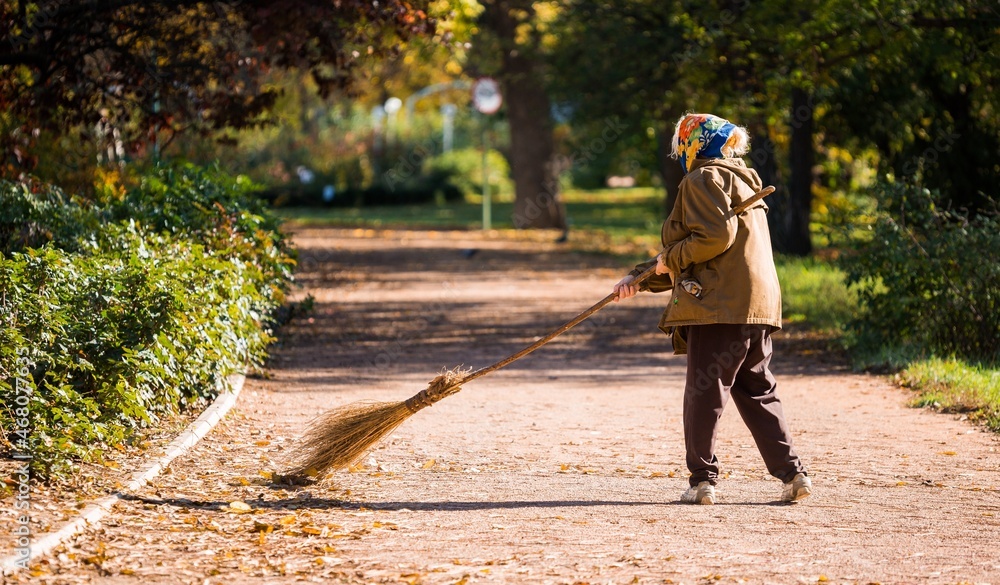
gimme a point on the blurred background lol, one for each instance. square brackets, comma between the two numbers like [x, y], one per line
[355, 104]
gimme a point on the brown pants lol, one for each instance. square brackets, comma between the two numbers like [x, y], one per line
[729, 359]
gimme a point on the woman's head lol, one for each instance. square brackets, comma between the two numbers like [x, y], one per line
[707, 136]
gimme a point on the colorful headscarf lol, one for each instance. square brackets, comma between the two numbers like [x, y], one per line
[703, 135]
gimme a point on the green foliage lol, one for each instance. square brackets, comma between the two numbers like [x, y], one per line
[464, 169]
[815, 292]
[928, 281]
[138, 311]
[35, 214]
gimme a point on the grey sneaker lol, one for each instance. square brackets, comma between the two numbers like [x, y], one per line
[800, 487]
[703, 493]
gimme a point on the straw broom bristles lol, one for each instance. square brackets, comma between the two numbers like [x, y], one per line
[337, 438]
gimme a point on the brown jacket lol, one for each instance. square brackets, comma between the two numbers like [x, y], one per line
[730, 259]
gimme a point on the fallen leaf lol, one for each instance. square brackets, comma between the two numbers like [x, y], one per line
[657, 474]
[947, 453]
[240, 507]
[428, 464]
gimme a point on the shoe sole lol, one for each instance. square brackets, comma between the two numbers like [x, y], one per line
[707, 501]
[801, 494]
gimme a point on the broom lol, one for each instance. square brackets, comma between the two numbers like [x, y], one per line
[336, 438]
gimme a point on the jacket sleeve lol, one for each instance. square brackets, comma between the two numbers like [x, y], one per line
[655, 283]
[706, 217]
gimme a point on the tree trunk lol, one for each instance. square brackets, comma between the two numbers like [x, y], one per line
[529, 112]
[764, 160]
[801, 158]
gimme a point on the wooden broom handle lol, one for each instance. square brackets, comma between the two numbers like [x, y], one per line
[643, 277]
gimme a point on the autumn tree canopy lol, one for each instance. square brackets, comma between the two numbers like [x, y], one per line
[169, 65]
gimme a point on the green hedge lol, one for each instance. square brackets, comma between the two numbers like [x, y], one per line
[129, 307]
[928, 281]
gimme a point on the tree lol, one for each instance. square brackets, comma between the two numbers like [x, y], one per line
[929, 102]
[616, 60]
[529, 113]
[144, 67]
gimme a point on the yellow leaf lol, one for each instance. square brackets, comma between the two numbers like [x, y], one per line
[262, 443]
[657, 474]
[242, 480]
[287, 520]
[266, 475]
[411, 578]
[899, 483]
[822, 579]
[428, 464]
[462, 581]
[947, 453]
[262, 527]
[312, 530]
[564, 467]
[240, 507]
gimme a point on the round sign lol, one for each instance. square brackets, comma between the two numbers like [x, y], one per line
[486, 95]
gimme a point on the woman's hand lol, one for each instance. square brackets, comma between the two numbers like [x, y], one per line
[625, 288]
[661, 266]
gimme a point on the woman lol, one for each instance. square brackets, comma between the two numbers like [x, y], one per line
[726, 303]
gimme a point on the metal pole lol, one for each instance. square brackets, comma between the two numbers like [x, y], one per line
[448, 132]
[487, 204]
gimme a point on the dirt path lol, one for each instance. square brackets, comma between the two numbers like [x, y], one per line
[564, 468]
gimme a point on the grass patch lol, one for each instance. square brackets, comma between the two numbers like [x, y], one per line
[814, 292]
[953, 385]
